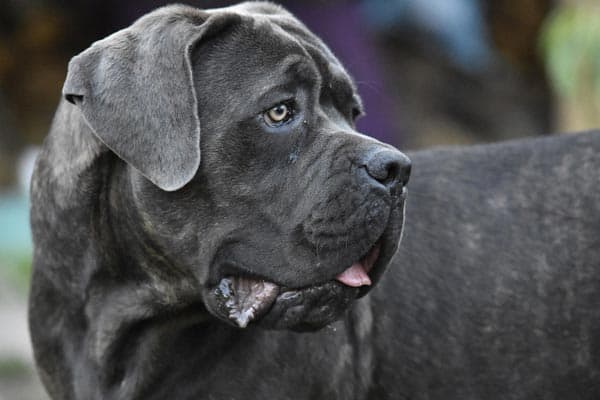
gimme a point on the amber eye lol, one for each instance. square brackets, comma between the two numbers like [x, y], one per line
[278, 115]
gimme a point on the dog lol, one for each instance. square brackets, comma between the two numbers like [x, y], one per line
[208, 224]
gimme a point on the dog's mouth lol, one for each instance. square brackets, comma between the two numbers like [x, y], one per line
[242, 299]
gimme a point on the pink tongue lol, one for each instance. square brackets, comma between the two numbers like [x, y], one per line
[355, 276]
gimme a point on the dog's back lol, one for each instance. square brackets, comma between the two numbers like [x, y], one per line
[496, 286]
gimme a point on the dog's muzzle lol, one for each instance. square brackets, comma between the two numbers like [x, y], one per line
[243, 298]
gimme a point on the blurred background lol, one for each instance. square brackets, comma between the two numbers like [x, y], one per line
[431, 72]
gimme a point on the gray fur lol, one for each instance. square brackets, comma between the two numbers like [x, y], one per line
[493, 294]
[497, 280]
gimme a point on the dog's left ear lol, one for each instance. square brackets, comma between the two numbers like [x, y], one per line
[135, 89]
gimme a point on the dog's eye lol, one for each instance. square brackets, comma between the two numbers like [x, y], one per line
[279, 115]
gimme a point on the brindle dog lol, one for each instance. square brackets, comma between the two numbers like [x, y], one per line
[206, 217]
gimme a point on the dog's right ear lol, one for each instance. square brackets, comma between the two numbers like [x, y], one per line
[135, 89]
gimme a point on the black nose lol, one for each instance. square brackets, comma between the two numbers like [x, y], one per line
[389, 167]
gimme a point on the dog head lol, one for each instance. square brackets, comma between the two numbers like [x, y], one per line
[242, 169]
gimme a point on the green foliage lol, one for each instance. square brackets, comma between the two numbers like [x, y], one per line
[13, 368]
[570, 42]
[15, 269]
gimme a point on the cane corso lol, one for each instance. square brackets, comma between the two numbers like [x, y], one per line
[208, 223]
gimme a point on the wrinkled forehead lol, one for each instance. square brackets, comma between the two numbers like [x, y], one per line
[271, 47]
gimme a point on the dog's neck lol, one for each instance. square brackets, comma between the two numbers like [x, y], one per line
[136, 313]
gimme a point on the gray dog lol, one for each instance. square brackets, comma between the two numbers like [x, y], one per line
[205, 218]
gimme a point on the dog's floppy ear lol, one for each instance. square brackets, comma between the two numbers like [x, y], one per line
[135, 89]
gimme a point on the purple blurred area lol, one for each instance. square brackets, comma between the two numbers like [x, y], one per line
[343, 27]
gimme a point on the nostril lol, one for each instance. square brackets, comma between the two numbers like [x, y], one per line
[393, 170]
[389, 167]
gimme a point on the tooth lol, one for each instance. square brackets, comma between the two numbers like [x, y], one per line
[243, 318]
